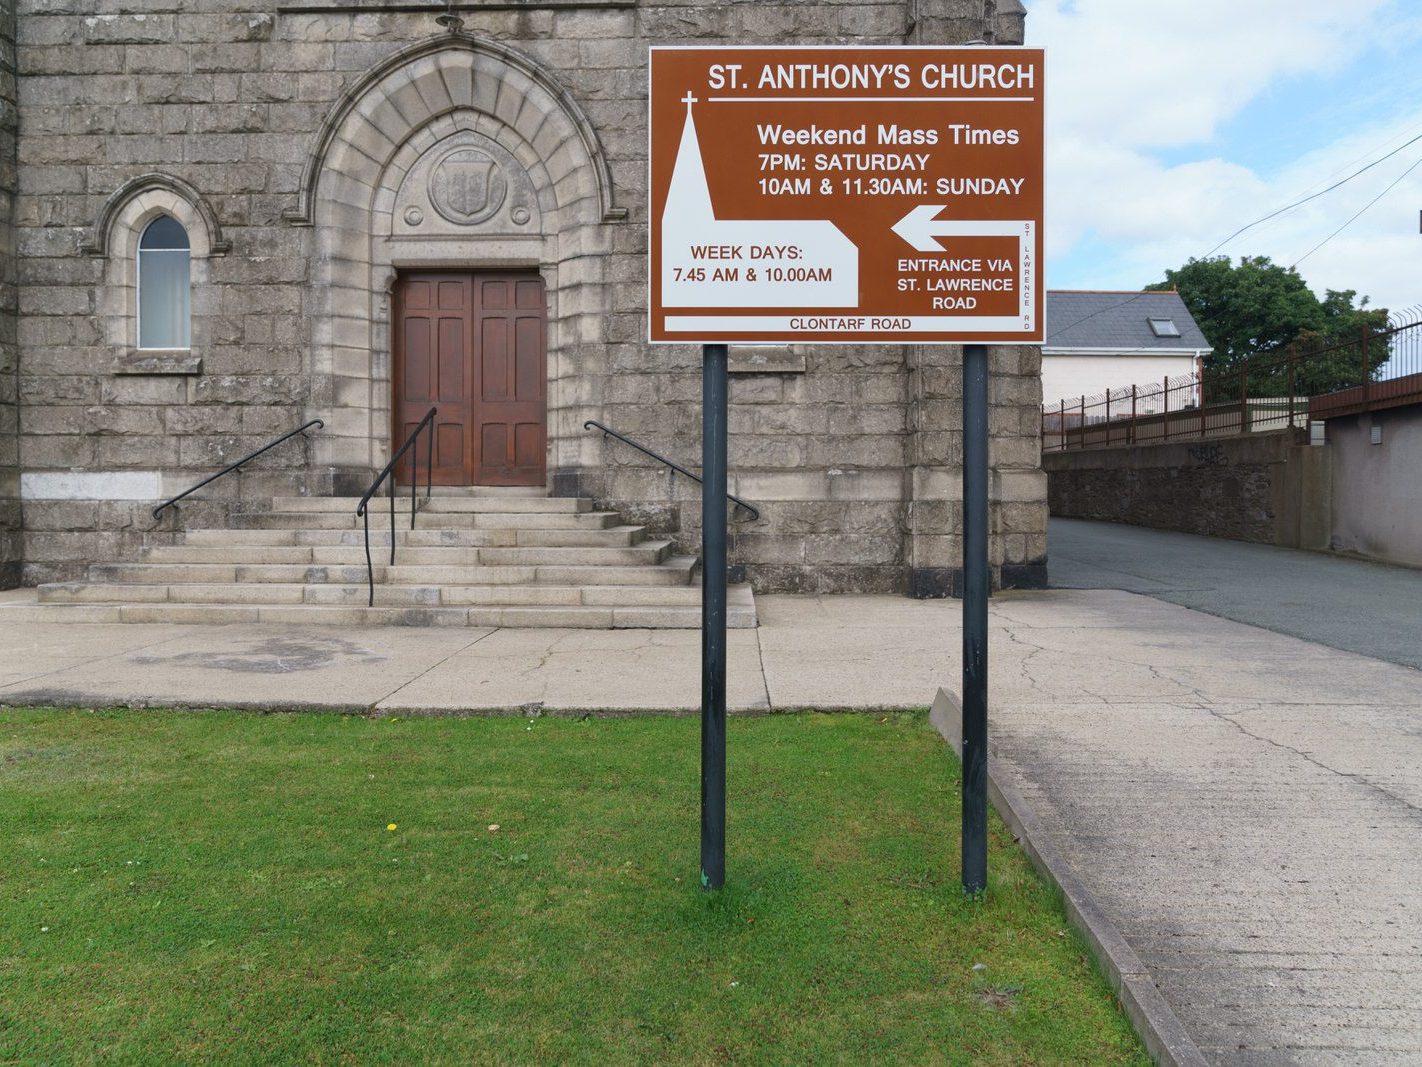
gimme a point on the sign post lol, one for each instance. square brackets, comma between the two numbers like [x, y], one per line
[713, 616]
[975, 608]
[863, 195]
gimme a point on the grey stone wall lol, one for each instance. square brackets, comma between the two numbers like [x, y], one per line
[1270, 488]
[854, 459]
[10, 519]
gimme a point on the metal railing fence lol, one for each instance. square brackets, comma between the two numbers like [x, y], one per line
[1269, 391]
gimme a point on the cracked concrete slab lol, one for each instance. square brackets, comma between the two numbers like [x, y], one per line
[1244, 805]
[584, 670]
[833, 652]
[31, 653]
[242, 666]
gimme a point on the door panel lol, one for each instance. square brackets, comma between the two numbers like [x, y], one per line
[475, 346]
[433, 320]
[511, 406]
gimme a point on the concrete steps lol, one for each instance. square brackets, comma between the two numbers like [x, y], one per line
[603, 536]
[477, 557]
[580, 617]
[480, 503]
[352, 595]
[443, 555]
[436, 520]
[675, 571]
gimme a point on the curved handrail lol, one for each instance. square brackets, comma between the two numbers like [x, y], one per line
[608, 431]
[386, 472]
[238, 465]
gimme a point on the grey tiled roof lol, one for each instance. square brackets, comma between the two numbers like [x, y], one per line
[1077, 319]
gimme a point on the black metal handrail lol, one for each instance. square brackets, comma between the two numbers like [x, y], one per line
[387, 472]
[608, 431]
[238, 465]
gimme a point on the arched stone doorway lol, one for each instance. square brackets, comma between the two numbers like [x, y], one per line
[456, 154]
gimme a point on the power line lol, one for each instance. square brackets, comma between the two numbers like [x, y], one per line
[1364, 155]
[1313, 196]
[1397, 181]
[1276, 214]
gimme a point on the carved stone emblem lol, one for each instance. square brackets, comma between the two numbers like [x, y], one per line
[468, 186]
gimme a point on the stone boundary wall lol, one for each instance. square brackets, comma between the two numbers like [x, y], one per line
[1270, 488]
[10, 525]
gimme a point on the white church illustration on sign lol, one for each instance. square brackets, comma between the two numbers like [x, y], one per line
[756, 264]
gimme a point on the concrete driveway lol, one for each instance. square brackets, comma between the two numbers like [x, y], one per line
[1348, 604]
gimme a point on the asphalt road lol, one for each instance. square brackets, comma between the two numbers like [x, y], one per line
[1348, 604]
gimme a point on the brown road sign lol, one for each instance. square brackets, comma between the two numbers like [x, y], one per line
[846, 194]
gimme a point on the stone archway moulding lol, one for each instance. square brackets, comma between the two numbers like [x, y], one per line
[115, 237]
[398, 121]
[98, 241]
[330, 132]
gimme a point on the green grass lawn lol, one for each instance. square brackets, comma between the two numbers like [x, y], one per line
[222, 886]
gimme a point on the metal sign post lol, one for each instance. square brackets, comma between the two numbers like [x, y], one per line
[845, 195]
[975, 605]
[713, 616]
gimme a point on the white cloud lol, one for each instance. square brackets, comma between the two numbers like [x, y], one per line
[1166, 73]
[1130, 80]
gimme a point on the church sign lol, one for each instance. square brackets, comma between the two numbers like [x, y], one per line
[846, 194]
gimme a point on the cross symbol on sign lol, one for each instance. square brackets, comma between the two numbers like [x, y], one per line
[688, 99]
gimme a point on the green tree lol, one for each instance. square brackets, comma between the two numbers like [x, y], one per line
[1260, 311]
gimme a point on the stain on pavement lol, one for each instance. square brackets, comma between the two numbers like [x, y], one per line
[273, 655]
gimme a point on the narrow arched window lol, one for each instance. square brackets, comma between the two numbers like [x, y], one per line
[164, 285]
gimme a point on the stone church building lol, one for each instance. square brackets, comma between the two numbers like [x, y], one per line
[222, 220]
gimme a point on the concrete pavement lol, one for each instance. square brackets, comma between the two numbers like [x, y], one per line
[1371, 608]
[810, 653]
[1245, 807]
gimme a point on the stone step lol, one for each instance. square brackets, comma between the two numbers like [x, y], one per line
[483, 490]
[380, 520]
[612, 596]
[602, 537]
[234, 554]
[168, 573]
[350, 538]
[676, 570]
[511, 505]
[580, 617]
[648, 552]
[606, 537]
[488, 498]
[306, 504]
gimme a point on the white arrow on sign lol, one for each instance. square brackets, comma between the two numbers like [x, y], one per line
[921, 229]
[919, 226]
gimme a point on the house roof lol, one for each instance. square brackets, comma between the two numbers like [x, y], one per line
[1119, 321]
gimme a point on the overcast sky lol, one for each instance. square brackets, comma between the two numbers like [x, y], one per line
[1172, 123]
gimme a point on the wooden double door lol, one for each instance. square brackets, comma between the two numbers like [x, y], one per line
[474, 345]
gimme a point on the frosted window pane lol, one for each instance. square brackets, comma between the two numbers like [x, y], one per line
[163, 300]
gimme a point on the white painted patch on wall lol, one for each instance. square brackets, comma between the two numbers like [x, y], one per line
[90, 485]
